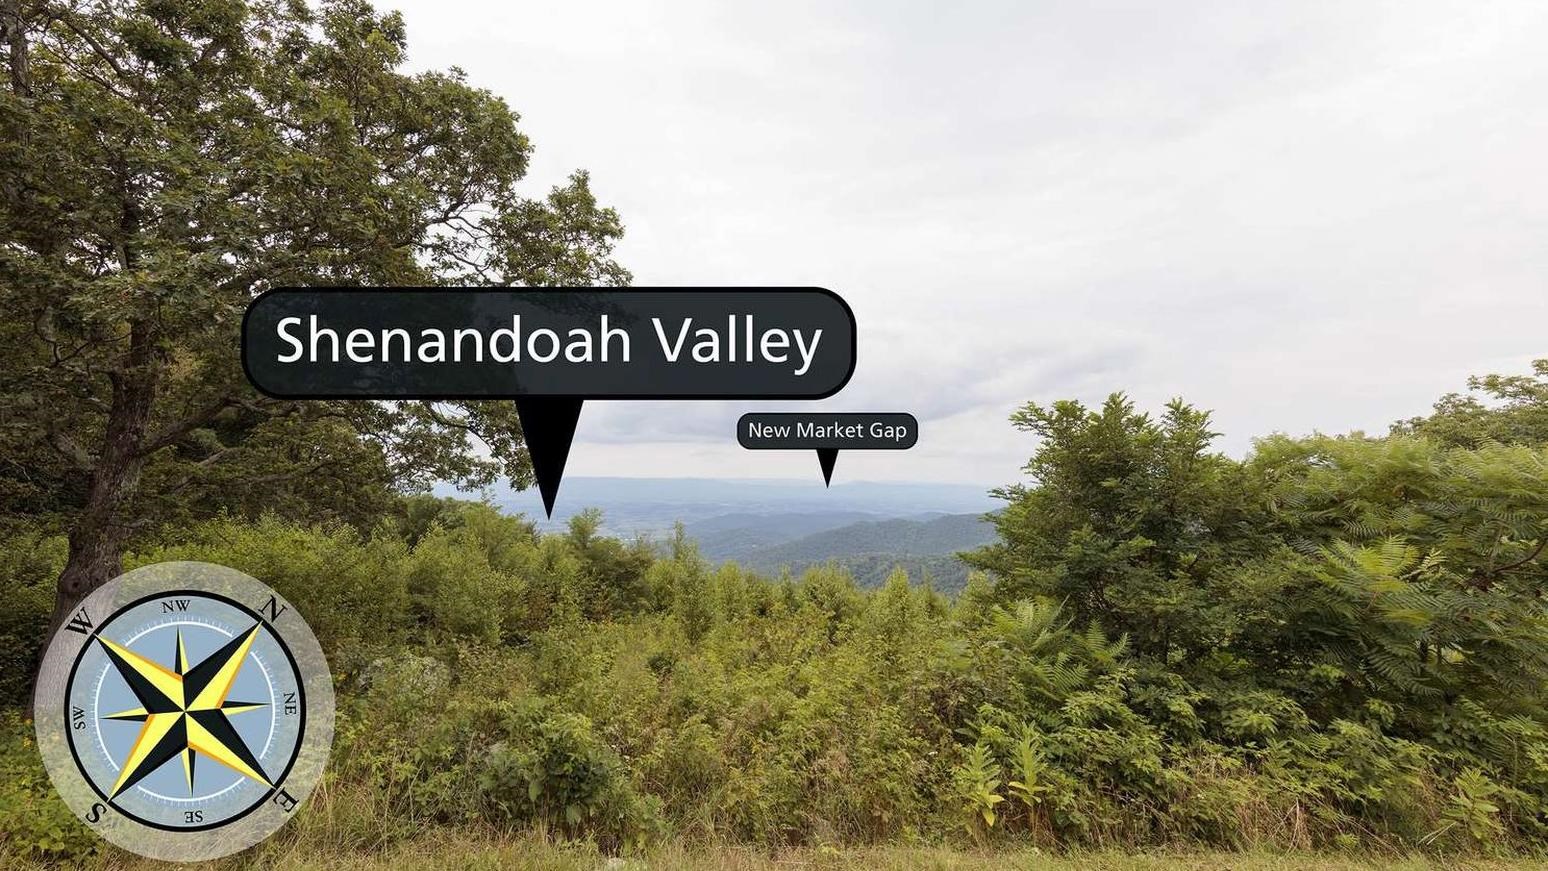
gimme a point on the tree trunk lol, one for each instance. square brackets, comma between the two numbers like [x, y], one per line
[98, 534]
[14, 31]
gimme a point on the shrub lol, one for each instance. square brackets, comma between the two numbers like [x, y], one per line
[30, 563]
[34, 821]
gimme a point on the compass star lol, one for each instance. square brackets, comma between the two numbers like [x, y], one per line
[184, 711]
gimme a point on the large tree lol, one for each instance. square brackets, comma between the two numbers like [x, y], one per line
[1513, 410]
[1132, 522]
[161, 163]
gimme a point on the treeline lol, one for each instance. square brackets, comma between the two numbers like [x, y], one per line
[1336, 642]
[871, 550]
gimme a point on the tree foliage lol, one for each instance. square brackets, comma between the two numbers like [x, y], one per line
[1335, 642]
[1510, 409]
[162, 163]
[1130, 522]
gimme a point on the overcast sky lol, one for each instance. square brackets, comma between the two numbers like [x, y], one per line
[1304, 216]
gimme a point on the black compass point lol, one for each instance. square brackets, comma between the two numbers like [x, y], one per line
[219, 725]
[170, 745]
[200, 675]
[153, 700]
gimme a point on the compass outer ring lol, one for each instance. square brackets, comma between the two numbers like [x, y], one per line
[193, 844]
[289, 659]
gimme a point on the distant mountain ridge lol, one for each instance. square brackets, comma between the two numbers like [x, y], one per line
[941, 535]
[869, 548]
[769, 525]
[650, 506]
[736, 536]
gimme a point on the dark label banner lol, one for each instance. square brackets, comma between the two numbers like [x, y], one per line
[865, 431]
[585, 343]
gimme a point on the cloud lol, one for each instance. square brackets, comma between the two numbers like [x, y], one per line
[1309, 216]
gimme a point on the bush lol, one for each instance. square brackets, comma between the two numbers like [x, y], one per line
[349, 587]
[34, 821]
[550, 766]
[30, 563]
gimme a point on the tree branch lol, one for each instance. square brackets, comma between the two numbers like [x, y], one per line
[172, 434]
[14, 31]
[1521, 562]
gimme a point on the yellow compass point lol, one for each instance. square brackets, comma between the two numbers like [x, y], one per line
[155, 729]
[187, 755]
[201, 740]
[214, 693]
[165, 681]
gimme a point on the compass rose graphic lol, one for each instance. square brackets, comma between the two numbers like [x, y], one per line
[184, 711]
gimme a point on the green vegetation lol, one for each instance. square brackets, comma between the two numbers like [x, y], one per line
[1338, 643]
[538, 853]
[161, 163]
[870, 550]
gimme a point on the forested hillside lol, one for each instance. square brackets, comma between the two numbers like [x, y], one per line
[869, 550]
[940, 535]
[1338, 642]
[737, 536]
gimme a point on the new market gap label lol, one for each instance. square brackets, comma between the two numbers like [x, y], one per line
[827, 433]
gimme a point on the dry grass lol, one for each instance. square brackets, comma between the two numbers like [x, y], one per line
[487, 853]
[348, 828]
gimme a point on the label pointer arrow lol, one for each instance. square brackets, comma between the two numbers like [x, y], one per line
[548, 427]
[826, 457]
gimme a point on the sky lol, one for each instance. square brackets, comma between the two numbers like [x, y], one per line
[1305, 217]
